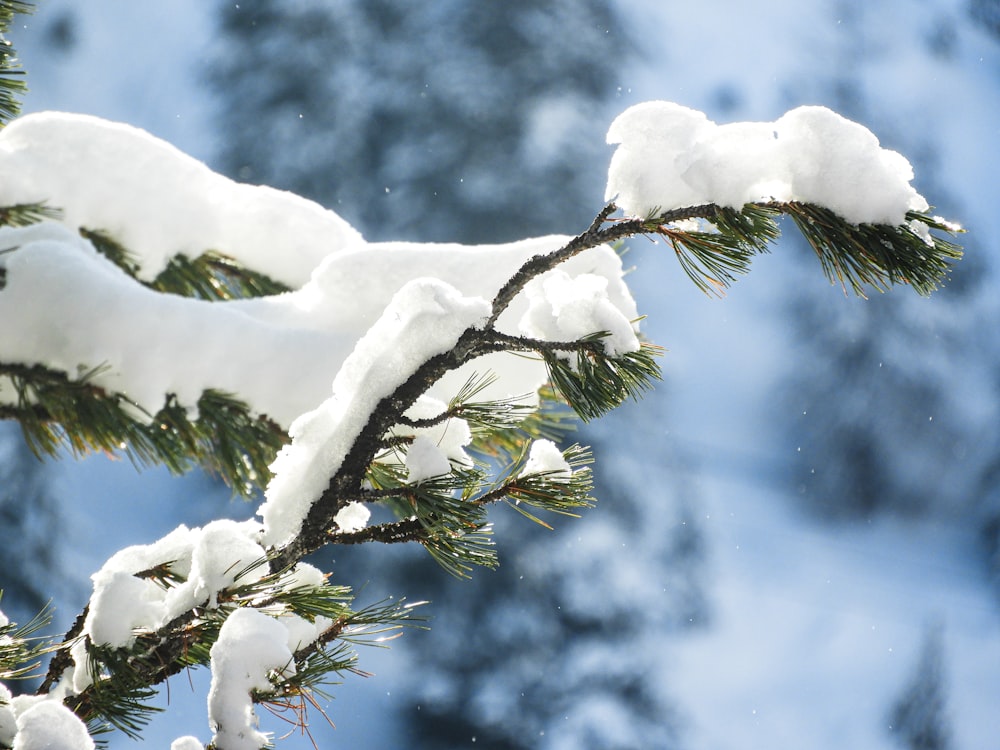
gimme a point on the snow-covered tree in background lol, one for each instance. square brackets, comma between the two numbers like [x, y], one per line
[919, 719]
[28, 520]
[541, 661]
[411, 386]
[368, 103]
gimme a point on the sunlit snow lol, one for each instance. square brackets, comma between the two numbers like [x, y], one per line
[670, 156]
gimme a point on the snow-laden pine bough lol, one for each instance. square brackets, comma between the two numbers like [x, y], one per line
[377, 392]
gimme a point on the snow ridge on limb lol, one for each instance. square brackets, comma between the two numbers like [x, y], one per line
[670, 156]
[84, 325]
[158, 201]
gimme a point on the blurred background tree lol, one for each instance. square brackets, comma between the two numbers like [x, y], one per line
[451, 121]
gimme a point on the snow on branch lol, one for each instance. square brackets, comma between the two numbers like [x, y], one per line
[669, 156]
[153, 296]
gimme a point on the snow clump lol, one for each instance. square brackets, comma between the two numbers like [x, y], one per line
[670, 156]
[42, 723]
[251, 646]
[544, 457]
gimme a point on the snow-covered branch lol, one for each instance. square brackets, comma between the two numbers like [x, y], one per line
[166, 310]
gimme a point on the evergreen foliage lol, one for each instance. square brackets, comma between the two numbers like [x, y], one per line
[12, 83]
[56, 412]
[21, 649]
[919, 718]
[857, 256]
[425, 142]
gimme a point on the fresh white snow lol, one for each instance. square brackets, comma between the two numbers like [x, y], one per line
[45, 724]
[544, 457]
[79, 313]
[159, 202]
[670, 156]
[251, 646]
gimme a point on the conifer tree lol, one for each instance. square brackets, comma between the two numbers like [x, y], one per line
[370, 104]
[418, 439]
[28, 524]
[919, 717]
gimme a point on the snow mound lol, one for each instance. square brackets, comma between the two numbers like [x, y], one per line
[670, 156]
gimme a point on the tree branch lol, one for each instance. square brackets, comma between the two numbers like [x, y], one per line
[474, 342]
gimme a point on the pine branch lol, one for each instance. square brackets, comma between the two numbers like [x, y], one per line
[21, 651]
[125, 678]
[553, 492]
[712, 260]
[877, 255]
[55, 412]
[594, 384]
[618, 380]
[398, 532]
[211, 276]
[857, 256]
[446, 514]
[489, 416]
[25, 214]
[12, 84]
[548, 491]
[453, 528]
[596, 234]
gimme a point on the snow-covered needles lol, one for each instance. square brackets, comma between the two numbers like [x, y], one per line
[851, 198]
[670, 156]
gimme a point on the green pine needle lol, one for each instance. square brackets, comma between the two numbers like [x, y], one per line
[877, 255]
[214, 276]
[55, 412]
[487, 416]
[21, 651]
[452, 527]
[120, 696]
[858, 256]
[593, 383]
[461, 552]
[12, 83]
[369, 625]
[455, 530]
[112, 250]
[25, 214]
[553, 492]
[713, 259]
[211, 276]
